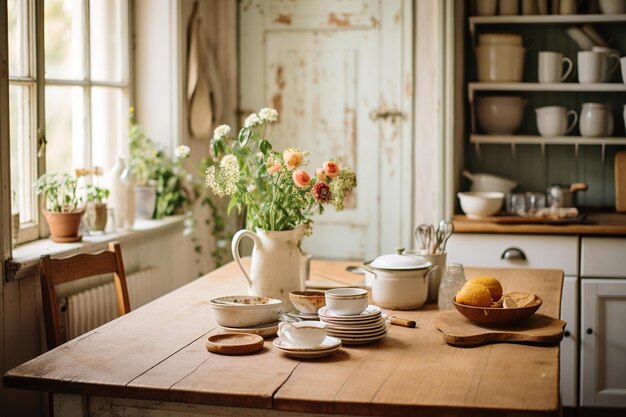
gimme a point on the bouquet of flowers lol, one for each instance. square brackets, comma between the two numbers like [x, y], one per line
[276, 190]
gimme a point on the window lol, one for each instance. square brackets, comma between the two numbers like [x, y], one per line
[82, 88]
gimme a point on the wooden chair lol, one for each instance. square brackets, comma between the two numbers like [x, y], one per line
[58, 271]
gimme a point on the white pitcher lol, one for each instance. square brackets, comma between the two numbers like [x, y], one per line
[278, 264]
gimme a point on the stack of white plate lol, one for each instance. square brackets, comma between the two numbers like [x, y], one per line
[367, 327]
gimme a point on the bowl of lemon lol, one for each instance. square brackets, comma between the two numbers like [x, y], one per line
[482, 300]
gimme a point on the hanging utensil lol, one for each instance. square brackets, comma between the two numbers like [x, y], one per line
[444, 231]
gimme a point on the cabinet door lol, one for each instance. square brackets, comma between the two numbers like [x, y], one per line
[603, 343]
[569, 344]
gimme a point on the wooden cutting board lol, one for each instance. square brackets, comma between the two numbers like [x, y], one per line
[620, 181]
[537, 329]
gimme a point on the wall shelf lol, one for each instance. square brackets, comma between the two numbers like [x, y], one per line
[566, 87]
[545, 19]
[576, 141]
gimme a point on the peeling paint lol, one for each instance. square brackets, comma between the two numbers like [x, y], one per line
[284, 19]
[277, 102]
[280, 77]
[375, 22]
[335, 20]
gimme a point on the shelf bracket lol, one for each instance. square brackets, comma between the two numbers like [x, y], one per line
[603, 153]
[576, 152]
[543, 150]
[513, 150]
[477, 148]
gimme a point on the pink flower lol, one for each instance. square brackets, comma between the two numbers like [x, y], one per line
[274, 168]
[301, 178]
[319, 173]
[292, 158]
[321, 192]
[331, 169]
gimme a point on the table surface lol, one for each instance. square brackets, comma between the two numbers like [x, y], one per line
[158, 353]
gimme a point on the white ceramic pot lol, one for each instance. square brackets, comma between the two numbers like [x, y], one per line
[480, 204]
[485, 39]
[400, 281]
[488, 182]
[612, 6]
[303, 334]
[500, 63]
[500, 115]
[596, 120]
[244, 310]
[145, 201]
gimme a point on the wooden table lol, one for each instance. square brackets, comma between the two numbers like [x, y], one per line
[154, 359]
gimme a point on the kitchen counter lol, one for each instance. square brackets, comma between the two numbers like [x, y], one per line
[154, 361]
[608, 224]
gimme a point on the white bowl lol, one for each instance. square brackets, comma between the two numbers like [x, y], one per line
[500, 115]
[346, 301]
[245, 310]
[500, 63]
[488, 182]
[478, 204]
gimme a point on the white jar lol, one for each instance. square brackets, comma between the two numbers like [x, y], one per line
[596, 120]
[118, 197]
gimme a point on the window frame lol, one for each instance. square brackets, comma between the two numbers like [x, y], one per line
[37, 81]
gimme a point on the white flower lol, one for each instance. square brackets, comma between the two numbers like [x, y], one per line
[223, 181]
[268, 114]
[182, 152]
[251, 187]
[221, 131]
[252, 120]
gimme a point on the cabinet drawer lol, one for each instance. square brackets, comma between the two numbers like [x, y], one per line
[540, 251]
[603, 257]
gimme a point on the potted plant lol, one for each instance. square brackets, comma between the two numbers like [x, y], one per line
[97, 207]
[144, 159]
[62, 206]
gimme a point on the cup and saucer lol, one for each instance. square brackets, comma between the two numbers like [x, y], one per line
[305, 339]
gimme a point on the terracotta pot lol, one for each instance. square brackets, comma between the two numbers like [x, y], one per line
[64, 226]
[97, 215]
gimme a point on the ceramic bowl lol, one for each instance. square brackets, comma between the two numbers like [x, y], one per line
[478, 204]
[307, 301]
[494, 315]
[346, 301]
[500, 115]
[245, 310]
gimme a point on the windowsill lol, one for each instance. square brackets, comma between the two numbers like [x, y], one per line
[26, 256]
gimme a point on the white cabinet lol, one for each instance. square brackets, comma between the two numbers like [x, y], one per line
[532, 251]
[603, 342]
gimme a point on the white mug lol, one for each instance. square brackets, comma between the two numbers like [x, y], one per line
[592, 66]
[622, 61]
[610, 54]
[550, 69]
[552, 120]
[303, 334]
[596, 120]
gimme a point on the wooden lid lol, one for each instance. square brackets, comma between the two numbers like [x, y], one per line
[234, 343]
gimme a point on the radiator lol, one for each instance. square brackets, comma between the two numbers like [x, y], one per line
[93, 307]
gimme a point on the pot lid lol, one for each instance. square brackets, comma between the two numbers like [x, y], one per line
[399, 261]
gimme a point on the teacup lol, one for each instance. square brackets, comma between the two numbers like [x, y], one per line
[346, 301]
[303, 334]
[552, 120]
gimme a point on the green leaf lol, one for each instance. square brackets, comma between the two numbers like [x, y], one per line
[231, 204]
[216, 148]
[265, 147]
[244, 136]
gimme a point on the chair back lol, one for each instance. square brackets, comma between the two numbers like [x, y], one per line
[58, 271]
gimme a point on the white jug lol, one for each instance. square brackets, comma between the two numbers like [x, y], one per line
[278, 264]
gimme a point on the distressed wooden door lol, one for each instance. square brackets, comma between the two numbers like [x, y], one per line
[339, 73]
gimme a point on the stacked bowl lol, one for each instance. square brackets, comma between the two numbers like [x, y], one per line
[247, 314]
[349, 318]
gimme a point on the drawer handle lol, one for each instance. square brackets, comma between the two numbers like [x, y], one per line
[567, 333]
[513, 254]
[589, 331]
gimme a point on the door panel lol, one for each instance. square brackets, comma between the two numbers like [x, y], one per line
[325, 66]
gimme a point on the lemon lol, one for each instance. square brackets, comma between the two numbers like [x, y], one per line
[492, 284]
[476, 295]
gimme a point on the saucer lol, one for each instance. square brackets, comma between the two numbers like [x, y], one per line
[303, 316]
[363, 340]
[369, 313]
[329, 345]
[263, 330]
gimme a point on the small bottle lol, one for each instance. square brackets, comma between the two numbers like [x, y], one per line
[118, 197]
[451, 283]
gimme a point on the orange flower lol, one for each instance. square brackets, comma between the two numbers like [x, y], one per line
[274, 168]
[292, 158]
[81, 172]
[319, 173]
[331, 169]
[301, 178]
